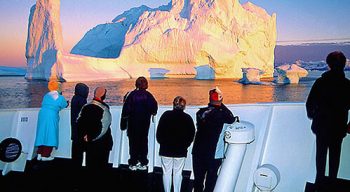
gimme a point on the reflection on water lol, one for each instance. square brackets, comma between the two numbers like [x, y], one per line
[16, 92]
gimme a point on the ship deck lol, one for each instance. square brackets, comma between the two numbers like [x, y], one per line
[57, 175]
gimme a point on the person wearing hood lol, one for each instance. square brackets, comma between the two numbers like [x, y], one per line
[327, 106]
[78, 145]
[48, 121]
[175, 134]
[208, 147]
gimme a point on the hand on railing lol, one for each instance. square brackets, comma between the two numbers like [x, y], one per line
[236, 119]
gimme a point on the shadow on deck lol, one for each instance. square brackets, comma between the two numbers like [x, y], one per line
[58, 176]
[329, 185]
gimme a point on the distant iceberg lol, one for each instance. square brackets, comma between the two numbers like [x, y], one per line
[158, 73]
[317, 65]
[251, 76]
[205, 72]
[287, 74]
[12, 71]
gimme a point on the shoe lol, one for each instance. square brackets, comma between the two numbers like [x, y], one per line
[141, 167]
[38, 157]
[50, 158]
[133, 167]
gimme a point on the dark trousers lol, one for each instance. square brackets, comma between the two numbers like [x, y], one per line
[205, 168]
[138, 148]
[77, 150]
[97, 157]
[334, 148]
[98, 168]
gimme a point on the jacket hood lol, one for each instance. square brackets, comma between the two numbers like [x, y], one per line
[82, 90]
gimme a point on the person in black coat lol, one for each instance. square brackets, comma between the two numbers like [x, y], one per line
[207, 155]
[327, 106]
[78, 145]
[175, 134]
[94, 121]
[138, 107]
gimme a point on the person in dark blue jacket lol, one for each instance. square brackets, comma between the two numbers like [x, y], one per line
[327, 105]
[206, 155]
[137, 110]
[175, 134]
[78, 145]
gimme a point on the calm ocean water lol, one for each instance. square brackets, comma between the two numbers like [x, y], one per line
[17, 92]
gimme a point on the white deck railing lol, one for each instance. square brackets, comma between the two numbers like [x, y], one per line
[283, 138]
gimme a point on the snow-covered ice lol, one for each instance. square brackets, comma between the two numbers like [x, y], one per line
[177, 37]
[204, 72]
[156, 73]
[287, 73]
[251, 76]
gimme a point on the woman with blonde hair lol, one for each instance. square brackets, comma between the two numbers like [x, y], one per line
[175, 134]
[48, 119]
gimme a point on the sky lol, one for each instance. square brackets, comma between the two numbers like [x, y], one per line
[297, 20]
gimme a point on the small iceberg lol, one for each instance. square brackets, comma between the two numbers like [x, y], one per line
[251, 76]
[205, 72]
[287, 74]
[157, 73]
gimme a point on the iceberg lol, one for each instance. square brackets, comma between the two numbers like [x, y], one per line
[157, 73]
[177, 37]
[205, 72]
[251, 76]
[287, 73]
[44, 41]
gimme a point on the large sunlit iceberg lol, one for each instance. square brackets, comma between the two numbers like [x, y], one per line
[177, 37]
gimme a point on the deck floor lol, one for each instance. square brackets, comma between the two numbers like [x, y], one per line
[57, 176]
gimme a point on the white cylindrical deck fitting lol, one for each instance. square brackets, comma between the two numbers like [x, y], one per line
[238, 135]
[266, 177]
[230, 168]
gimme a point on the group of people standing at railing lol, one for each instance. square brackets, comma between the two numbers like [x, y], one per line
[91, 133]
[327, 105]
